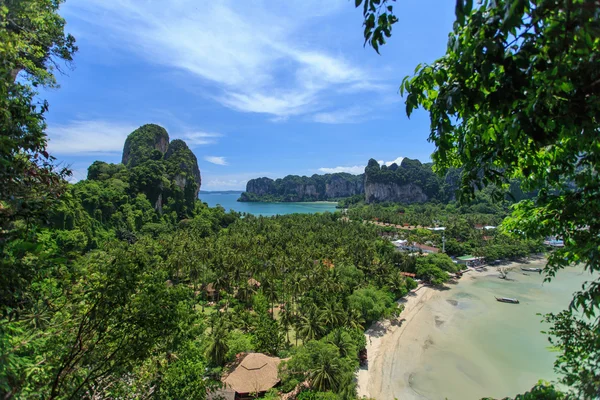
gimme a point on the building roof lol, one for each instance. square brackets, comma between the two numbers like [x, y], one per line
[408, 274]
[427, 248]
[408, 245]
[256, 373]
[468, 258]
[210, 288]
[253, 282]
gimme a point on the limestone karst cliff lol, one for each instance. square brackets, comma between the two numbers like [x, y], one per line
[160, 169]
[410, 182]
[303, 188]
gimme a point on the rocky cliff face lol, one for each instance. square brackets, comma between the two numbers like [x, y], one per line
[406, 194]
[149, 141]
[261, 186]
[338, 187]
[303, 188]
[409, 182]
[161, 169]
[182, 166]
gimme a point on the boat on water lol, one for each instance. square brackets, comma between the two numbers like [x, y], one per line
[507, 300]
[531, 269]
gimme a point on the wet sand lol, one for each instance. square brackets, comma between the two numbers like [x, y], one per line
[449, 343]
[381, 333]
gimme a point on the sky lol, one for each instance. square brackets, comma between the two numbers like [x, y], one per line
[255, 88]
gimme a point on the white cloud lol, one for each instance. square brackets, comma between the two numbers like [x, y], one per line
[247, 54]
[199, 138]
[355, 170]
[358, 169]
[216, 160]
[231, 181]
[397, 161]
[80, 137]
[343, 116]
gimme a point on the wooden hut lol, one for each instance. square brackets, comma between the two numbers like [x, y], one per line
[253, 375]
[211, 292]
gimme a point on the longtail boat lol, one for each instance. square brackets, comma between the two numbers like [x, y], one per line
[531, 269]
[507, 300]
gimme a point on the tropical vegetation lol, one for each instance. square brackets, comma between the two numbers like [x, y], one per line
[125, 285]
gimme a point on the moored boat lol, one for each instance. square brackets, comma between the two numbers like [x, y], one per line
[531, 269]
[507, 300]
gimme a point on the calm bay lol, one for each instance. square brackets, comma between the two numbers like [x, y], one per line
[229, 202]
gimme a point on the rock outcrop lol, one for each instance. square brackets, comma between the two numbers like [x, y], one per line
[160, 169]
[182, 166]
[338, 187]
[303, 188]
[405, 194]
[409, 182]
[261, 186]
[149, 141]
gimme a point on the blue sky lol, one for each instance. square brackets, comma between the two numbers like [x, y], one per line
[256, 88]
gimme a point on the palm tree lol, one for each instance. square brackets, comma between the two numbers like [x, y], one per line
[332, 315]
[355, 319]
[287, 319]
[218, 347]
[326, 375]
[310, 326]
[342, 340]
[271, 293]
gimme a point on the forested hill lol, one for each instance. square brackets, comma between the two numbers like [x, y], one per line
[304, 188]
[409, 182]
[158, 181]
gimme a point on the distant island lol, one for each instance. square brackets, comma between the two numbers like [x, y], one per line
[410, 182]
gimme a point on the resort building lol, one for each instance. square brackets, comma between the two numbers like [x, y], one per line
[251, 376]
[486, 227]
[211, 292]
[554, 242]
[405, 245]
[469, 261]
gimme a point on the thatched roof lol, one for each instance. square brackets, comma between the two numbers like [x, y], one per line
[210, 288]
[254, 374]
[253, 282]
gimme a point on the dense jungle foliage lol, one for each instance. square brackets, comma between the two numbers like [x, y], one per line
[105, 284]
[516, 96]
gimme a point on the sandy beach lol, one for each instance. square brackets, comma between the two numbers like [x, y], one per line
[396, 347]
[384, 334]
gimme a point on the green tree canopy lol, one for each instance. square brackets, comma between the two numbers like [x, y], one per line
[517, 95]
[32, 44]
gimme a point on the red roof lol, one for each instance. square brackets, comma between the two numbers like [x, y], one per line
[408, 274]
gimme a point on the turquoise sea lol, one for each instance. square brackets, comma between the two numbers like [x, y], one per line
[229, 202]
[478, 347]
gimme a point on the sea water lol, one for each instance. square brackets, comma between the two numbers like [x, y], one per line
[481, 347]
[229, 202]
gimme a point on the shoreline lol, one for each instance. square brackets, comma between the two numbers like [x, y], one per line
[383, 337]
